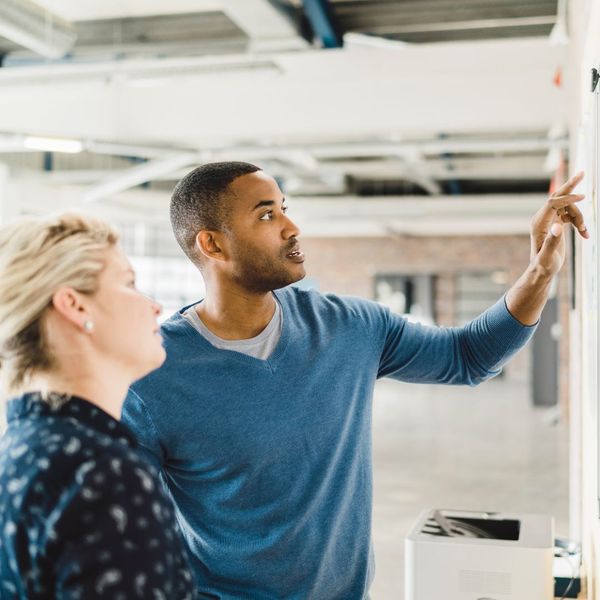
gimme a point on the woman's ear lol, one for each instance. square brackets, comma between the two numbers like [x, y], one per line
[70, 305]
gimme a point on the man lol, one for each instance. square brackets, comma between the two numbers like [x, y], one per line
[260, 419]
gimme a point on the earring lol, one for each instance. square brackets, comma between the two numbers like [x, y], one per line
[88, 326]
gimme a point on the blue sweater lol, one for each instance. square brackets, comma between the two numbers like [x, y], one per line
[269, 461]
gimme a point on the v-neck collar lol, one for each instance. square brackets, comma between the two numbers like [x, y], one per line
[271, 363]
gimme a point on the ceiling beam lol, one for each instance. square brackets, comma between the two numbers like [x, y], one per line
[88, 10]
[308, 155]
[140, 174]
[355, 94]
[29, 25]
[463, 25]
[266, 26]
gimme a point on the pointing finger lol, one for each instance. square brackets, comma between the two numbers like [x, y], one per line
[556, 202]
[569, 185]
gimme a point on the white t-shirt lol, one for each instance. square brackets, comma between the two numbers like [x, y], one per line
[260, 346]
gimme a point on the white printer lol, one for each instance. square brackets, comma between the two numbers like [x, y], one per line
[464, 555]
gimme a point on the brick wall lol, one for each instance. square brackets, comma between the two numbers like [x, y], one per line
[348, 266]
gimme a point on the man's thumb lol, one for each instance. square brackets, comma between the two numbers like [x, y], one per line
[552, 240]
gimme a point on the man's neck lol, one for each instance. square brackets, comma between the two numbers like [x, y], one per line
[236, 315]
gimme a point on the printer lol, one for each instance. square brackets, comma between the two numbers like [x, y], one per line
[467, 555]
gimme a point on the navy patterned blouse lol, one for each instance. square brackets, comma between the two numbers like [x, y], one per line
[81, 514]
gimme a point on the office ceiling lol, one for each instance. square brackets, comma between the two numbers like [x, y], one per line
[426, 21]
[423, 97]
[188, 26]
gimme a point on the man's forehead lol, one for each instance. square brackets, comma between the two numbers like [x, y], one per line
[254, 184]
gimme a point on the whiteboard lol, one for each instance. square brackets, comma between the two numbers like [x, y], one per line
[590, 152]
[594, 172]
[588, 160]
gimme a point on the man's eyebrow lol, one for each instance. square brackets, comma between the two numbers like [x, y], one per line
[266, 203]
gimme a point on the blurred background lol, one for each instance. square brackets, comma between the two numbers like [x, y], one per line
[414, 139]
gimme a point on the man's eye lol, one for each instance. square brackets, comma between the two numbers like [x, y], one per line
[267, 216]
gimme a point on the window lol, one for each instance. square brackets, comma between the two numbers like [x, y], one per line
[476, 292]
[408, 295]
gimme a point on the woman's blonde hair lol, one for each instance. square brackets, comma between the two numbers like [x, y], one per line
[38, 257]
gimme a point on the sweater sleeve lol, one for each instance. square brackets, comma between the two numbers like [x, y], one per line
[451, 355]
[136, 417]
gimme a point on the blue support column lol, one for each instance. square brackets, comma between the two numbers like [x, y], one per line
[320, 15]
[453, 184]
[48, 161]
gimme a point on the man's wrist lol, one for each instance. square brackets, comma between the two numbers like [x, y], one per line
[538, 276]
[526, 298]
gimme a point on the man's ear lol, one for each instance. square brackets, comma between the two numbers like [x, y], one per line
[69, 304]
[210, 244]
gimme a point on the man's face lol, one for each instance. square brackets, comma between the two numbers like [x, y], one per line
[262, 248]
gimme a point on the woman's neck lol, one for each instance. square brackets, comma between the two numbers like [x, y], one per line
[107, 393]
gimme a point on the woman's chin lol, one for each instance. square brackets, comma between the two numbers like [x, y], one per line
[153, 363]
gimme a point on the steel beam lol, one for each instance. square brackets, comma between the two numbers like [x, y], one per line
[29, 25]
[266, 26]
[320, 15]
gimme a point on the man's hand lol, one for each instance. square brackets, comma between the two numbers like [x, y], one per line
[547, 241]
[526, 298]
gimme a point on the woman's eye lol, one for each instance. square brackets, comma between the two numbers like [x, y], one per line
[267, 216]
[284, 209]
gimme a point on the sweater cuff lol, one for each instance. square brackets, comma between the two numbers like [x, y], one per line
[514, 318]
[508, 329]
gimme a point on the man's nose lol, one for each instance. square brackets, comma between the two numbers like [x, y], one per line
[290, 229]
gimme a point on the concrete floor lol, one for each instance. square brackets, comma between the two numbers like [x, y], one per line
[485, 448]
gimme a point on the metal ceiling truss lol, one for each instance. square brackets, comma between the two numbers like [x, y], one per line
[425, 163]
[25, 23]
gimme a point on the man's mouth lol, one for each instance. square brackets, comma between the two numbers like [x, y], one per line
[296, 254]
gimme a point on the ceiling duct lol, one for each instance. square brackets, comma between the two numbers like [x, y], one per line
[140, 71]
[29, 25]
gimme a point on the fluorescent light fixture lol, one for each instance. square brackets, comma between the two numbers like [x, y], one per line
[47, 144]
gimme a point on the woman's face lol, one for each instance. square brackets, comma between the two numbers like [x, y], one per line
[125, 326]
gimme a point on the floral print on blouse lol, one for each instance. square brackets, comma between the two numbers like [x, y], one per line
[82, 515]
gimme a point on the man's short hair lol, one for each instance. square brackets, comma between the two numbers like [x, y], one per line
[199, 201]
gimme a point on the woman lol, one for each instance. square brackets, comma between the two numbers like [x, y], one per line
[81, 514]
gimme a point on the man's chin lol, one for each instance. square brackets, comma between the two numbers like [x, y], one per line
[294, 278]
[299, 275]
